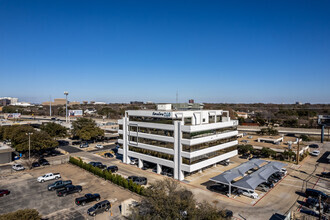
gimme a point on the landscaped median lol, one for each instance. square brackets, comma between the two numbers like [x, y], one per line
[108, 175]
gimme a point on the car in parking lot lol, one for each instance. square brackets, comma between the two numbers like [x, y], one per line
[248, 193]
[316, 194]
[218, 188]
[263, 187]
[99, 146]
[166, 171]
[17, 167]
[68, 190]
[4, 192]
[134, 161]
[59, 184]
[87, 198]
[84, 145]
[98, 164]
[314, 146]
[113, 169]
[110, 155]
[98, 208]
[35, 164]
[284, 171]
[48, 176]
[315, 153]
[43, 162]
[224, 163]
[138, 180]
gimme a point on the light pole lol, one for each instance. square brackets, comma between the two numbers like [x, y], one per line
[30, 133]
[66, 106]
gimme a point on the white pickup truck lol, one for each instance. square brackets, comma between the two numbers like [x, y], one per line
[48, 176]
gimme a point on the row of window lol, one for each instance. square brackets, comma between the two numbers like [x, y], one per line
[207, 156]
[152, 131]
[207, 144]
[152, 119]
[199, 134]
[151, 142]
[151, 153]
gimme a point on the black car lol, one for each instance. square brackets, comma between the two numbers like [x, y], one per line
[224, 163]
[167, 172]
[35, 164]
[268, 184]
[314, 146]
[316, 194]
[138, 180]
[325, 174]
[43, 162]
[108, 155]
[100, 207]
[87, 198]
[59, 184]
[218, 188]
[113, 169]
[98, 164]
[69, 189]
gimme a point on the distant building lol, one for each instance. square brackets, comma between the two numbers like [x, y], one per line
[242, 115]
[85, 102]
[299, 103]
[12, 100]
[191, 101]
[187, 106]
[149, 102]
[100, 103]
[92, 102]
[23, 104]
[58, 102]
[4, 102]
[74, 103]
[136, 103]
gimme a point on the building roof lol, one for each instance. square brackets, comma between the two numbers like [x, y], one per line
[251, 181]
[239, 171]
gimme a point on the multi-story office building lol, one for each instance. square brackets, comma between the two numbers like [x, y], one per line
[181, 141]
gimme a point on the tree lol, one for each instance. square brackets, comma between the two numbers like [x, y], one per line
[243, 149]
[168, 200]
[54, 130]
[20, 141]
[24, 214]
[86, 129]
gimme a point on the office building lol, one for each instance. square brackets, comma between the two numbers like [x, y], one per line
[183, 141]
[11, 100]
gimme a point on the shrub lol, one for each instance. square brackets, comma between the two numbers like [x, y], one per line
[25, 214]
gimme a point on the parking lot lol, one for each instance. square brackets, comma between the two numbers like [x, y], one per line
[26, 192]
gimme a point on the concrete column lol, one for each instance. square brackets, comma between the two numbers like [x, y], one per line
[159, 168]
[177, 149]
[125, 144]
[181, 175]
[140, 164]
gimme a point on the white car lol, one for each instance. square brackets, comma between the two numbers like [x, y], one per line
[248, 193]
[284, 171]
[48, 176]
[18, 167]
[99, 146]
[315, 153]
[134, 161]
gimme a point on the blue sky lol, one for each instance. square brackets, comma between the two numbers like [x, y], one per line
[211, 51]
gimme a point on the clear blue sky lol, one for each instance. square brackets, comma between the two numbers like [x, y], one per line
[211, 51]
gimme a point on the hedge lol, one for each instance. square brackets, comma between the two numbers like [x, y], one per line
[108, 175]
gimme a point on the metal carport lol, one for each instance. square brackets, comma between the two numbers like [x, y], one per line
[251, 181]
[228, 176]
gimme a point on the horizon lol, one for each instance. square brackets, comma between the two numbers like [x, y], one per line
[212, 52]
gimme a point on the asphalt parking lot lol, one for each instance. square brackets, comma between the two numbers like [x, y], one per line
[26, 192]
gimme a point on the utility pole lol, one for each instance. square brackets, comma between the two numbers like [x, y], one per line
[66, 106]
[30, 133]
[298, 150]
[50, 106]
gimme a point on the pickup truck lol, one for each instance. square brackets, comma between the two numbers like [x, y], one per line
[48, 176]
[59, 185]
[87, 198]
[68, 190]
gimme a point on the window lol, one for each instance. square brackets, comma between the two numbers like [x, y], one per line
[199, 134]
[188, 121]
[207, 144]
[151, 120]
[152, 153]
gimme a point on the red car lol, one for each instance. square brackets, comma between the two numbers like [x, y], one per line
[4, 192]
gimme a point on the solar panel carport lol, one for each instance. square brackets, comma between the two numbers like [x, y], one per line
[239, 171]
[251, 181]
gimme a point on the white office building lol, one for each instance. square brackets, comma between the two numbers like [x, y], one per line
[181, 141]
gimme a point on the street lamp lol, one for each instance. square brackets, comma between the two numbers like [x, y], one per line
[66, 106]
[30, 133]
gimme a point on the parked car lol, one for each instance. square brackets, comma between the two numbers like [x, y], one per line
[315, 153]
[4, 192]
[245, 156]
[100, 207]
[224, 163]
[314, 146]
[108, 155]
[166, 171]
[43, 162]
[69, 189]
[59, 184]
[138, 180]
[84, 145]
[325, 174]
[218, 188]
[248, 193]
[48, 176]
[268, 184]
[98, 164]
[134, 161]
[99, 146]
[113, 169]
[87, 199]
[262, 187]
[315, 194]
[284, 171]
[76, 142]
[35, 164]
[17, 167]
[273, 179]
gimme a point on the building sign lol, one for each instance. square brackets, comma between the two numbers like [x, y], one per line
[162, 114]
[75, 113]
[12, 115]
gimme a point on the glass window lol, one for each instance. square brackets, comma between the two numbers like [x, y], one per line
[188, 121]
[207, 144]
[152, 153]
[199, 134]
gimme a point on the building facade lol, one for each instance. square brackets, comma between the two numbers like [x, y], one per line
[182, 141]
